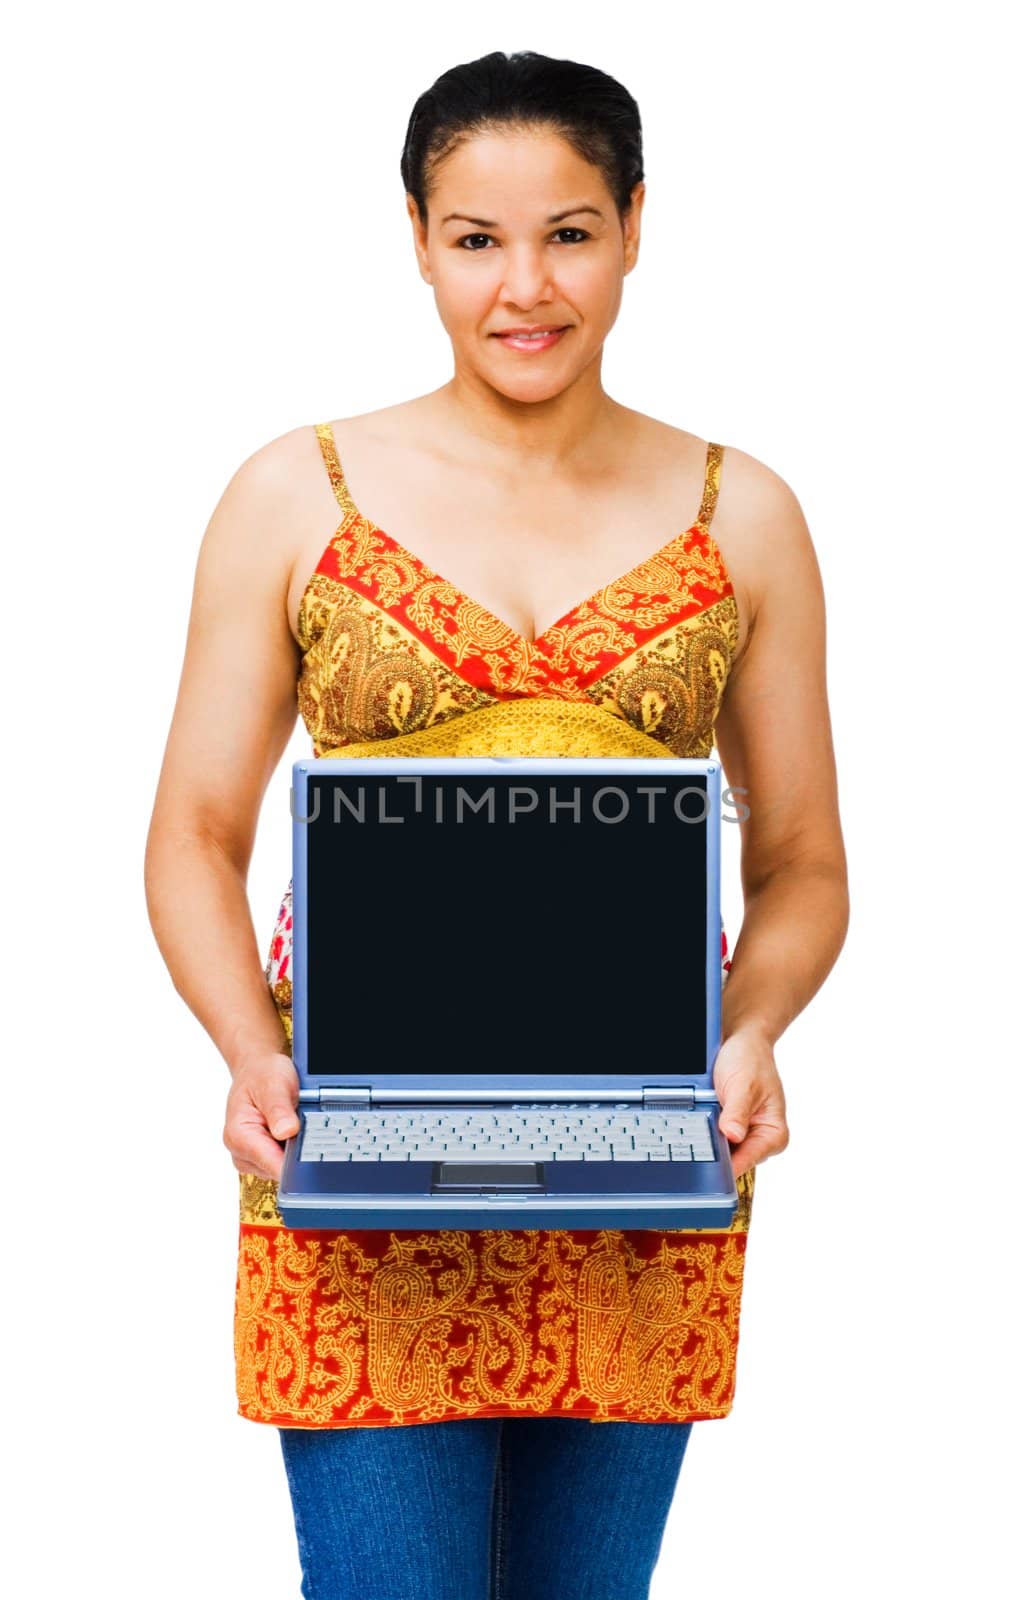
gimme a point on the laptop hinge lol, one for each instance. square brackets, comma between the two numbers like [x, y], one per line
[681, 1094]
[339, 1096]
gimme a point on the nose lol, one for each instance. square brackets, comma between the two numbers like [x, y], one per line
[527, 280]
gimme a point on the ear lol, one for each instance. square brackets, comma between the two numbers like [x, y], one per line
[418, 239]
[632, 226]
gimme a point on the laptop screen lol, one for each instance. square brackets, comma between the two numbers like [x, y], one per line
[494, 922]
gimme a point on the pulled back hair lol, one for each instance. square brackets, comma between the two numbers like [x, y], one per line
[498, 92]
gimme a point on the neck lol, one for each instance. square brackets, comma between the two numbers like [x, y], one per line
[539, 435]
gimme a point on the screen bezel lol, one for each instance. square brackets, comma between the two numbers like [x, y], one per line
[707, 770]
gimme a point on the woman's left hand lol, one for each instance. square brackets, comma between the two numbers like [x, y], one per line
[752, 1097]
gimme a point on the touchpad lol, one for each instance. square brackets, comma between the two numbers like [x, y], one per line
[458, 1176]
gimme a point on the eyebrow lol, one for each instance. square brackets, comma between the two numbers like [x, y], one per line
[482, 222]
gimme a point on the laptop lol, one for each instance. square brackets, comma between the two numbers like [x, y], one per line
[506, 994]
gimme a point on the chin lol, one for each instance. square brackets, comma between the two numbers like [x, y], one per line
[530, 393]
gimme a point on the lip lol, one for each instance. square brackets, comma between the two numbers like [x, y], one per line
[517, 338]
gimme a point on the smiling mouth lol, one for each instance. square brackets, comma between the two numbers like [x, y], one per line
[539, 336]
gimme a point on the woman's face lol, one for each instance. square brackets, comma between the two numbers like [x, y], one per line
[522, 232]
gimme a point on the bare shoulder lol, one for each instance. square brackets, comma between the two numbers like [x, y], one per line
[753, 495]
[407, 425]
[761, 530]
[288, 474]
[753, 499]
[271, 504]
[278, 474]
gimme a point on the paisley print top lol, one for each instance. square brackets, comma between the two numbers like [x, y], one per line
[380, 1328]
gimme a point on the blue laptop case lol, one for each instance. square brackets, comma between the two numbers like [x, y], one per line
[506, 933]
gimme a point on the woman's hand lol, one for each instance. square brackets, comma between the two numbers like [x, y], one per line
[260, 1110]
[753, 1100]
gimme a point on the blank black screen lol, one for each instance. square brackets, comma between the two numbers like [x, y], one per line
[524, 937]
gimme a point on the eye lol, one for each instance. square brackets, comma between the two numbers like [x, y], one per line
[464, 241]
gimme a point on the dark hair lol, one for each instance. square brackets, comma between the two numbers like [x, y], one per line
[588, 108]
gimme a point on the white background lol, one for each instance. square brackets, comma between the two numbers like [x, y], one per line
[209, 247]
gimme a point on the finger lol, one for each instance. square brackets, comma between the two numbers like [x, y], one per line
[280, 1116]
[249, 1143]
[756, 1147]
[733, 1121]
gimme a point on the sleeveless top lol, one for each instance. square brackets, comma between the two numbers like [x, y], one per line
[385, 1327]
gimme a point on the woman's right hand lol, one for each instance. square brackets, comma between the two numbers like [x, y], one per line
[259, 1111]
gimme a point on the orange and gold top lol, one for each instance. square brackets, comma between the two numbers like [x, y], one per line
[391, 646]
[387, 1327]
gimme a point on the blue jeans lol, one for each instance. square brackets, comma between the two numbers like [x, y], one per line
[492, 1508]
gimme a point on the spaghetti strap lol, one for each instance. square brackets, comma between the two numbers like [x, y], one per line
[328, 445]
[714, 458]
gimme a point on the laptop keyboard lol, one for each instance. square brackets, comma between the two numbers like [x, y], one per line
[507, 1134]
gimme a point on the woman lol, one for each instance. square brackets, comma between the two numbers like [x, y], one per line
[435, 1394]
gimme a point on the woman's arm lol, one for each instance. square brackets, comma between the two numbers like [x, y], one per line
[774, 740]
[235, 710]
